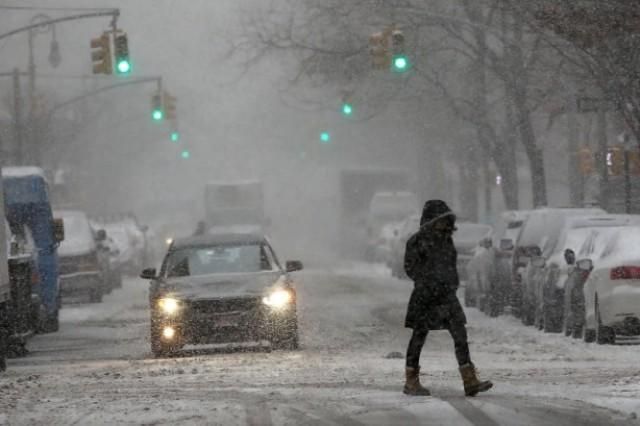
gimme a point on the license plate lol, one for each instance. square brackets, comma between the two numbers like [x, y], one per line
[226, 320]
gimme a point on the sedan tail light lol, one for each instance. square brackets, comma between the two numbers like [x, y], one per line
[625, 273]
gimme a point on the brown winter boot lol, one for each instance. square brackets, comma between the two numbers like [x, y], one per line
[472, 385]
[412, 386]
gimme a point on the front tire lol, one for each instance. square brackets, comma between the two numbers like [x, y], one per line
[95, 295]
[287, 339]
[50, 323]
[604, 335]
[4, 337]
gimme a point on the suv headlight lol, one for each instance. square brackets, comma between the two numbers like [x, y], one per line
[169, 305]
[278, 299]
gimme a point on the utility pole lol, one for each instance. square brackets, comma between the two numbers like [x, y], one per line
[602, 153]
[576, 184]
[17, 147]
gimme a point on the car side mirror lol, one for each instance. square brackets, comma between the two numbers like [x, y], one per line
[585, 265]
[538, 262]
[506, 244]
[58, 230]
[101, 235]
[294, 265]
[149, 274]
[570, 257]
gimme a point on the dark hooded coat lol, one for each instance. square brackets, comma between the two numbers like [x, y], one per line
[430, 261]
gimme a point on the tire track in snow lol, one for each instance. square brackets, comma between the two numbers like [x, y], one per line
[258, 413]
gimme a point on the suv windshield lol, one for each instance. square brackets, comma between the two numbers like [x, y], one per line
[219, 259]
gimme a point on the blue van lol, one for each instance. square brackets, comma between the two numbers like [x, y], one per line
[26, 198]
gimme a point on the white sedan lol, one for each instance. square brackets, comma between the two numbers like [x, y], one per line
[612, 291]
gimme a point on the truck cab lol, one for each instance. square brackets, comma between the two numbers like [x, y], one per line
[26, 202]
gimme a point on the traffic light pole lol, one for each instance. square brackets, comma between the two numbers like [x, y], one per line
[114, 13]
[140, 80]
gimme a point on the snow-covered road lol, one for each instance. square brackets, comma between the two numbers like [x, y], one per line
[98, 369]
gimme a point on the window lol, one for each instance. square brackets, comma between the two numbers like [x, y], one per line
[219, 259]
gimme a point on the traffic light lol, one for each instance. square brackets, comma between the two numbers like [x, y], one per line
[157, 110]
[185, 154]
[169, 103]
[347, 109]
[101, 54]
[400, 62]
[325, 138]
[379, 50]
[121, 48]
[175, 136]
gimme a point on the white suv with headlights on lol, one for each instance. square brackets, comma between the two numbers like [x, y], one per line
[222, 289]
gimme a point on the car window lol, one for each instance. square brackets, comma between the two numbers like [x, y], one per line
[610, 247]
[219, 259]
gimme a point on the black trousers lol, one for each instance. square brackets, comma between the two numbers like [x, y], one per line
[458, 333]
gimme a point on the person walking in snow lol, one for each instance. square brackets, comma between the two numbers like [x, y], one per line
[430, 261]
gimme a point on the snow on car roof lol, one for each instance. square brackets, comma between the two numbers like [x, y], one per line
[23, 171]
[605, 220]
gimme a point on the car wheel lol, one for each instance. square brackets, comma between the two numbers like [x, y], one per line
[526, 314]
[566, 328]
[4, 338]
[589, 335]
[576, 333]
[287, 339]
[550, 321]
[95, 295]
[50, 323]
[604, 335]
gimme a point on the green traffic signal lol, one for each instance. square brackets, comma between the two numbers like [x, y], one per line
[325, 137]
[400, 63]
[157, 115]
[347, 109]
[175, 136]
[123, 67]
[185, 154]
[121, 54]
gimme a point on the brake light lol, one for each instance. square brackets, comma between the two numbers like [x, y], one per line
[625, 273]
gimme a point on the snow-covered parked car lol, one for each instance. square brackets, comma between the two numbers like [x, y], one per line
[389, 233]
[386, 208]
[489, 271]
[407, 228]
[222, 289]
[553, 270]
[82, 268]
[539, 237]
[590, 252]
[466, 239]
[612, 291]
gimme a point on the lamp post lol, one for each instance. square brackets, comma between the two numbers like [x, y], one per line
[54, 59]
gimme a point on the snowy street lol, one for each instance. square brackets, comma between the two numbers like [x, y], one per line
[98, 369]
